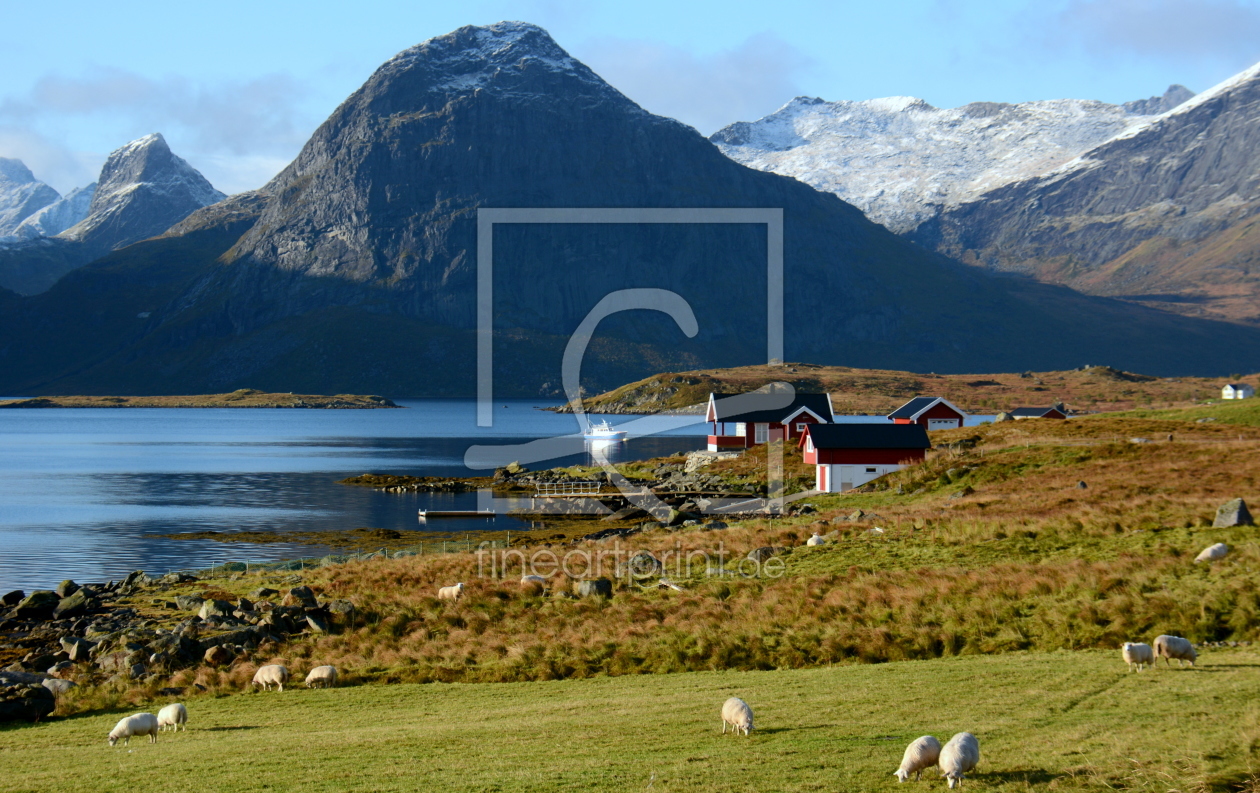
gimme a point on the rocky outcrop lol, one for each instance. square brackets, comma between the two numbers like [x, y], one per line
[1233, 513]
[21, 195]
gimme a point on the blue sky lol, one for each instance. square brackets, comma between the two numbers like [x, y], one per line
[237, 87]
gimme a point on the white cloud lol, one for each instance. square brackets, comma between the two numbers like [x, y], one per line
[706, 91]
[234, 131]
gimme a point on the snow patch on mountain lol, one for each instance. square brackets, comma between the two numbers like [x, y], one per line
[57, 216]
[900, 160]
[21, 195]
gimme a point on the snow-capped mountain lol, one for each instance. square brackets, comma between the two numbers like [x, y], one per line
[900, 160]
[21, 195]
[57, 216]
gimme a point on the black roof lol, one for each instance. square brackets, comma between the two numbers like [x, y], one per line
[869, 436]
[908, 410]
[1033, 412]
[818, 403]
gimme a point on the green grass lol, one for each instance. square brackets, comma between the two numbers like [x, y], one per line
[1052, 721]
[1243, 411]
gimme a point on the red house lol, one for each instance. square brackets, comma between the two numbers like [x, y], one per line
[1038, 413]
[846, 456]
[732, 430]
[934, 413]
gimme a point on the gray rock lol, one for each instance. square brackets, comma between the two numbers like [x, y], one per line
[58, 686]
[1081, 485]
[641, 565]
[999, 418]
[218, 656]
[215, 608]
[342, 611]
[301, 596]
[79, 650]
[1233, 513]
[598, 587]
[12, 598]
[137, 671]
[67, 588]
[317, 623]
[75, 605]
[189, 602]
[262, 593]
[39, 605]
[60, 667]
[26, 702]
[765, 552]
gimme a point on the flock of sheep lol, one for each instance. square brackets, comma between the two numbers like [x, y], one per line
[1142, 656]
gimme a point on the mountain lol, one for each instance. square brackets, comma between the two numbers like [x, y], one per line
[21, 195]
[57, 216]
[900, 160]
[1164, 213]
[356, 267]
[143, 190]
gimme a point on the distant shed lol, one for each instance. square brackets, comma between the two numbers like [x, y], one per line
[846, 456]
[934, 413]
[1038, 413]
[1237, 391]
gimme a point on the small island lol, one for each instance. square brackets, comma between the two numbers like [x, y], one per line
[241, 398]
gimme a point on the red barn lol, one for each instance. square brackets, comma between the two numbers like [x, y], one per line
[934, 413]
[752, 428]
[850, 455]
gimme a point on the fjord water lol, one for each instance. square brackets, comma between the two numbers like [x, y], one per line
[85, 493]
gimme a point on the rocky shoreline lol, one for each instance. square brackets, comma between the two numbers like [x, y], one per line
[54, 640]
[242, 398]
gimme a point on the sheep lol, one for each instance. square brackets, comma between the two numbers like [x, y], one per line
[534, 582]
[321, 676]
[1169, 647]
[1137, 654]
[138, 724]
[451, 592]
[271, 675]
[172, 716]
[737, 714]
[1212, 553]
[920, 754]
[816, 539]
[959, 756]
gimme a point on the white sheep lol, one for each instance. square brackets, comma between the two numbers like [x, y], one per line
[271, 675]
[1137, 654]
[172, 716]
[1169, 647]
[321, 676]
[1212, 553]
[138, 724]
[530, 580]
[920, 754]
[737, 714]
[959, 756]
[451, 592]
[816, 539]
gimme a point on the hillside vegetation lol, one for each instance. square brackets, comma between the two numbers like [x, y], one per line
[877, 391]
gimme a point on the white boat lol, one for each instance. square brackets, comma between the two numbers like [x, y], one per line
[603, 431]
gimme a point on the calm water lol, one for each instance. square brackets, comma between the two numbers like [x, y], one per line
[84, 493]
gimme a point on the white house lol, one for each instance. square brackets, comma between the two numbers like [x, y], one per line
[1237, 391]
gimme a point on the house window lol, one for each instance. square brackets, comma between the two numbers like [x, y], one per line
[809, 444]
[741, 429]
[870, 470]
[761, 433]
[800, 426]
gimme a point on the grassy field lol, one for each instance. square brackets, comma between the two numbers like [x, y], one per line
[1051, 721]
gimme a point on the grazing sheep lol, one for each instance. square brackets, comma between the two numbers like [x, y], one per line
[736, 713]
[1212, 553]
[920, 754]
[139, 724]
[1169, 647]
[1137, 654]
[816, 539]
[959, 756]
[533, 581]
[321, 676]
[451, 592]
[172, 716]
[271, 675]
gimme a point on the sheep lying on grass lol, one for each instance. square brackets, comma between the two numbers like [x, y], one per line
[737, 714]
[528, 580]
[271, 675]
[1169, 647]
[321, 677]
[959, 756]
[451, 592]
[173, 716]
[920, 754]
[816, 539]
[1137, 654]
[139, 724]
[1212, 553]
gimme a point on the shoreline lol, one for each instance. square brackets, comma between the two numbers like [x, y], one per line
[241, 398]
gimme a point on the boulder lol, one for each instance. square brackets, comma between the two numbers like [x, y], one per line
[60, 668]
[134, 579]
[79, 650]
[1082, 486]
[1233, 513]
[717, 524]
[262, 593]
[75, 605]
[342, 612]
[301, 596]
[218, 656]
[244, 604]
[677, 517]
[641, 565]
[630, 512]
[189, 602]
[761, 554]
[136, 671]
[999, 418]
[598, 587]
[67, 588]
[26, 702]
[57, 685]
[12, 598]
[39, 605]
[215, 608]
[317, 623]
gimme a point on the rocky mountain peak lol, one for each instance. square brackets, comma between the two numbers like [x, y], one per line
[1175, 95]
[21, 195]
[14, 172]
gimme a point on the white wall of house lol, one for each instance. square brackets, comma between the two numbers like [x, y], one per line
[1243, 391]
[943, 424]
[838, 478]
